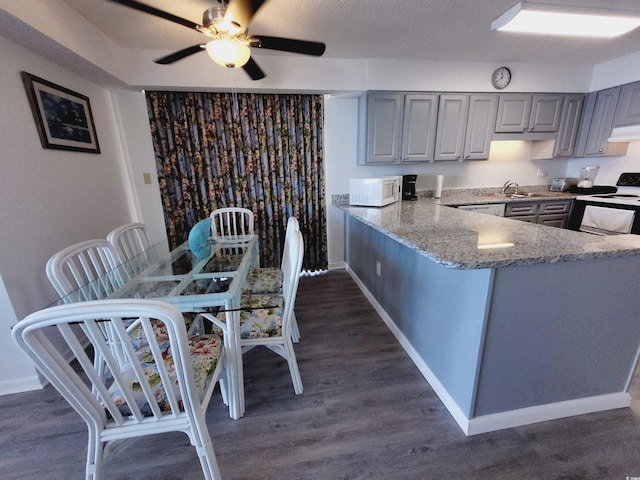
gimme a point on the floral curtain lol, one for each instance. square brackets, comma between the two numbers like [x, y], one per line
[261, 152]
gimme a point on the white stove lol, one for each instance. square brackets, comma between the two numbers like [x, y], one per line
[627, 193]
[610, 213]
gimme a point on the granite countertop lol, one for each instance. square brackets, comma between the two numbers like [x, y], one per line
[468, 240]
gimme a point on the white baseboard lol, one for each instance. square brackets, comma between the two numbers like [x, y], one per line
[337, 266]
[25, 384]
[502, 420]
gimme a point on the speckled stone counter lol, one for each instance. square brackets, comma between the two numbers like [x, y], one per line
[468, 240]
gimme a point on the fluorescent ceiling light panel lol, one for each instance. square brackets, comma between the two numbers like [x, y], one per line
[539, 18]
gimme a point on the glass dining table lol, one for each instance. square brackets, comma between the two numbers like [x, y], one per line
[206, 284]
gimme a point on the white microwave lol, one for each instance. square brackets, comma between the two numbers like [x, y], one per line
[374, 192]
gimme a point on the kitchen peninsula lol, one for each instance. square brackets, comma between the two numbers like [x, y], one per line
[510, 322]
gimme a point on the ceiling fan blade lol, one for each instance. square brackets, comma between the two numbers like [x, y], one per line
[254, 71]
[159, 13]
[240, 12]
[179, 55]
[304, 47]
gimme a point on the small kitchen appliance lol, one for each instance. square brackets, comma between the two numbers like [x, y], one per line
[587, 176]
[562, 184]
[374, 192]
[409, 187]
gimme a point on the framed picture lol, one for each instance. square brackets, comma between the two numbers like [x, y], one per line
[63, 117]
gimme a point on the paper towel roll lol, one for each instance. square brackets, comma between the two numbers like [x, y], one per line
[438, 189]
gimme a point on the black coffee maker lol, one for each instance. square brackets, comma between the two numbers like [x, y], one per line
[409, 187]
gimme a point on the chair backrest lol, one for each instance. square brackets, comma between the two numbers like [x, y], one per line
[230, 224]
[148, 383]
[291, 269]
[130, 240]
[87, 268]
[292, 227]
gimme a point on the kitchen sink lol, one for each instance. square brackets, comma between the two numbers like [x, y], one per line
[519, 195]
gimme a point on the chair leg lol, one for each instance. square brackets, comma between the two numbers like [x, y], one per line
[207, 457]
[293, 367]
[95, 453]
[295, 331]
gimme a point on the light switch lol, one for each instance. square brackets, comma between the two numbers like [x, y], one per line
[147, 178]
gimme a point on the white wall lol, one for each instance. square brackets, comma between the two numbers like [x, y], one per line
[49, 199]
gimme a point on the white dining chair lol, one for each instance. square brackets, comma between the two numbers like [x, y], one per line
[266, 319]
[87, 269]
[164, 384]
[269, 279]
[230, 224]
[132, 242]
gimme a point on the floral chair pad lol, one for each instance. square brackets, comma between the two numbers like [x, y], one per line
[205, 350]
[260, 317]
[263, 281]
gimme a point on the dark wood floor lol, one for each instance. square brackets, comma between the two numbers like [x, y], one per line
[366, 413]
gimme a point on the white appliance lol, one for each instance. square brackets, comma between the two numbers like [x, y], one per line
[611, 213]
[374, 192]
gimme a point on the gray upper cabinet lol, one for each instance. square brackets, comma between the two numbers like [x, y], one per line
[384, 128]
[526, 113]
[569, 123]
[628, 109]
[419, 127]
[465, 126]
[596, 125]
[399, 128]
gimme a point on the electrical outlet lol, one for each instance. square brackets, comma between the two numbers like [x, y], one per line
[146, 178]
[542, 173]
[378, 268]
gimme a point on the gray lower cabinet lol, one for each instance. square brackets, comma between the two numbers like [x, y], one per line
[628, 109]
[522, 113]
[553, 213]
[399, 127]
[596, 125]
[465, 126]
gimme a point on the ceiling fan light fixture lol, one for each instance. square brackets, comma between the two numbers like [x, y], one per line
[228, 52]
[537, 18]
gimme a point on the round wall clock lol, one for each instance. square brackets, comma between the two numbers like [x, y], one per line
[501, 78]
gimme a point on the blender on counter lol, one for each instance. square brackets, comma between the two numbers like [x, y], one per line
[587, 176]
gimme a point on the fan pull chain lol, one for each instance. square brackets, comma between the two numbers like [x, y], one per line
[235, 109]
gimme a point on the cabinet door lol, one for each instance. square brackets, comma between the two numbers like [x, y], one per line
[628, 109]
[480, 123]
[521, 208]
[601, 122]
[419, 127]
[513, 113]
[384, 128]
[452, 121]
[545, 113]
[569, 123]
[558, 221]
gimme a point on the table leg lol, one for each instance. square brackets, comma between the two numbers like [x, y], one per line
[234, 362]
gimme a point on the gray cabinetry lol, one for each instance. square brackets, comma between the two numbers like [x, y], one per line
[569, 124]
[522, 113]
[553, 213]
[465, 124]
[399, 127]
[419, 127]
[596, 125]
[628, 109]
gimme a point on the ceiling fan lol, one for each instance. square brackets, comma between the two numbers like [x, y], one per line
[226, 26]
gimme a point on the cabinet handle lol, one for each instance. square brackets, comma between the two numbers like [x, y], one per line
[601, 150]
[524, 129]
[532, 129]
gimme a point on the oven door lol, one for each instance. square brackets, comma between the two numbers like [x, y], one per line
[604, 218]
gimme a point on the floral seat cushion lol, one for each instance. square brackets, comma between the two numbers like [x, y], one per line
[204, 351]
[263, 281]
[260, 317]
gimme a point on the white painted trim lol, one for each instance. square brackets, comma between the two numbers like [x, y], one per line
[337, 266]
[23, 384]
[502, 420]
[551, 411]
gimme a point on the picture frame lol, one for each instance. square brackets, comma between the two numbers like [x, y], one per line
[63, 117]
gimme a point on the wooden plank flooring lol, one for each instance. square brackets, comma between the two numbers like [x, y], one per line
[366, 413]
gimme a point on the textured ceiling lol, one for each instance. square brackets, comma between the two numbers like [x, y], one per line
[453, 30]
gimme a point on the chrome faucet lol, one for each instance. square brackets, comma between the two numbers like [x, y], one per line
[507, 184]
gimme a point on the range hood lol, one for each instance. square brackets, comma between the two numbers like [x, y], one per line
[625, 134]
